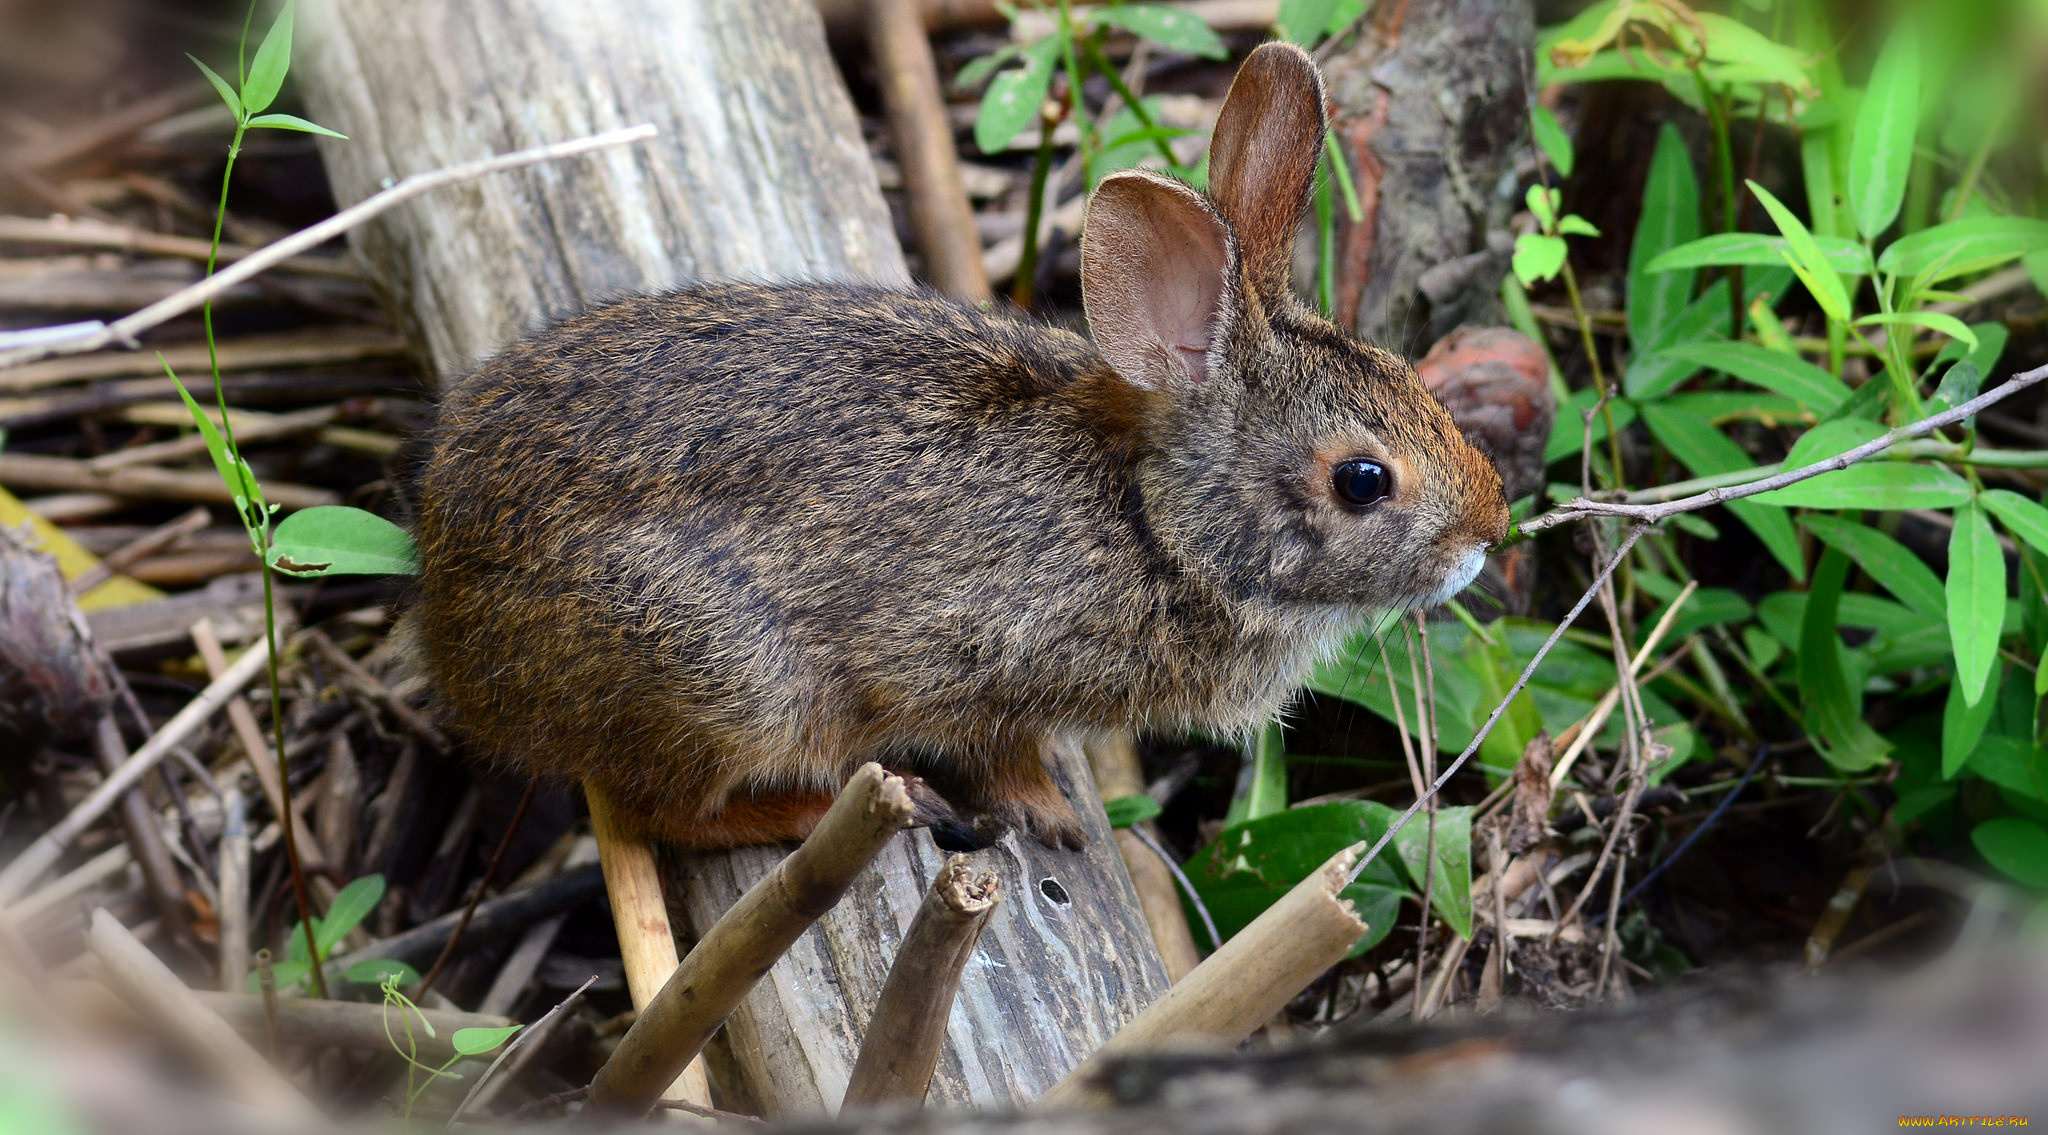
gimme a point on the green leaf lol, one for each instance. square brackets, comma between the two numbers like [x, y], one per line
[1706, 451]
[1805, 257]
[1303, 22]
[1831, 439]
[1568, 429]
[2012, 764]
[1263, 789]
[1013, 98]
[1538, 257]
[982, 66]
[1671, 219]
[1962, 727]
[1881, 151]
[1880, 485]
[234, 472]
[1250, 866]
[1959, 248]
[292, 122]
[1780, 373]
[273, 59]
[1175, 28]
[1133, 809]
[2021, 517]
[1543, 202]
[375, 971]
[1548, 133]
[1651, 372]
[1948, 325]
[1450, 884]
[1976, 599]
[351, 905]
[476, 1042]
[289, 975]
[1571, 224]
[1834, 711]
[333, 539]
[220, 85]
[1890, 563]
[1751, 55]
[2015, 846]
[1724, 249]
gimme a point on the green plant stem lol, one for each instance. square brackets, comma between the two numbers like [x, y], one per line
[1571, 288]
[1353, 207]
[1034, 210]
[1082, 126]
[1326, 248]
[259, 540]
[1108, 71]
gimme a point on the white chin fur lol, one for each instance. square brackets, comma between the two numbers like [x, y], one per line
[1459, 578]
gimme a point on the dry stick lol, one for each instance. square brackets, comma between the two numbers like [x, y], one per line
[733, 956]
[647, 943]
[377, 691]
[1634, 723]
[124, 330]
[87, 233]
[1114, 761]
[257, 352]
[528, 1040]
[194, 444]
[1653, 513]
[904, 1037]
[482, 885]
[139, 549]
[41, 473]
[1597, 719]
[1425, 716]
[234, 892]
[1493, 718]
[1244, 983]
[939, 212]
[150, 986]
[145, 836]
[38, 856]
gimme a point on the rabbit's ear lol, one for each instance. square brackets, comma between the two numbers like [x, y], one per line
[1262, 158]
[1158, 279]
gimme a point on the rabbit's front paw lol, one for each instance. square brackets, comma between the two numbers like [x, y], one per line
[1053, 823]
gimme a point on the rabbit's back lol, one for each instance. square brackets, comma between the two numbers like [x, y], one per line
[741, 523]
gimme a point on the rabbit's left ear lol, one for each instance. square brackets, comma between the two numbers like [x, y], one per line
[1262, 158]
[1159, 275]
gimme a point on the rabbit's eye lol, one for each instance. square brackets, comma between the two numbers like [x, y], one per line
[1360, 483]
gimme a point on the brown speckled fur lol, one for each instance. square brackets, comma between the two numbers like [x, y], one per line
[712, 549]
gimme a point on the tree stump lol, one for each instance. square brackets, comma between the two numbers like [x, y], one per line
[1432, 108]
[759, 173]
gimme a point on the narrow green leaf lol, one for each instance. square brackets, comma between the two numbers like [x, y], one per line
[234, 472]
[1571, 224]
[1133, 809]
[1175, 28]
[1959, 248]
[375, 971]
[1890, 563]
[1706, 451]
[351, 905]
[1976, 599]
[1830, 439]
[1549, 135]
[1881, 152]
[292, 122]
[339, 540]
[220, 85]
[1962, 727]
[1651, 372]
[1724, 249]
[1671, 220]
[1805, 257]
[1780, 373]
[1262, 788]
[2022, 517]
[1882, 485]
[981, 67]
[1834, 712]
[1948, 325]
[1303, 22]
[1450, 884]
[476, 1041]
[2015, 846]
[1013, 97]
[273, 59]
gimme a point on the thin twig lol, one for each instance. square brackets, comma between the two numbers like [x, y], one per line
[527, 1037]
[123, 331]
[482, 885]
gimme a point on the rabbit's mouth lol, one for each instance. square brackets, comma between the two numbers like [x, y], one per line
[1458, 578]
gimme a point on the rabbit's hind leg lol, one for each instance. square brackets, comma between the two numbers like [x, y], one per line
[1008, 783]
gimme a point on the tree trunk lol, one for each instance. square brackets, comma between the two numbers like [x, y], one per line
[1432, 109]
[759, 172]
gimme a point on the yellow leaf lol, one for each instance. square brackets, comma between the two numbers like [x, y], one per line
[73, 560]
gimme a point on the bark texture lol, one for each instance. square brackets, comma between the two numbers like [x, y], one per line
[1432, 109]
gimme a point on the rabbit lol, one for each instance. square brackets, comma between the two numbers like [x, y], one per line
[710, 550]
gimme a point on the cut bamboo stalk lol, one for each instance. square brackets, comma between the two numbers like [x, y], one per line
[1114, 760]
[647, 943]
[900, 1050]
[939, 212]
[150, 986]
[738, 950]
[1243, 984]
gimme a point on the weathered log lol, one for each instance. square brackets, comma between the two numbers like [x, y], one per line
[1432, 108]
[759, 172]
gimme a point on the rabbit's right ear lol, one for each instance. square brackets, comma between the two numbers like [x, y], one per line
[1262, 157]
[1159, 276]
